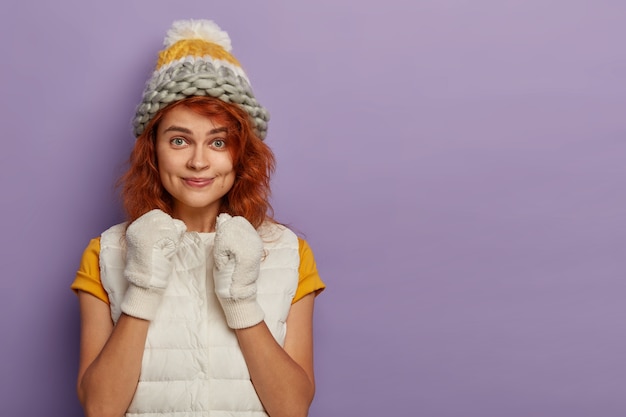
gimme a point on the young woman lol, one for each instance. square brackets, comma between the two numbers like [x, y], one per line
[200, 304]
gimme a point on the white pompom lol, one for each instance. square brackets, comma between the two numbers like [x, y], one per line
[197, 29]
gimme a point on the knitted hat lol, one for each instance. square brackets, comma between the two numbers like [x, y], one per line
[196, 61]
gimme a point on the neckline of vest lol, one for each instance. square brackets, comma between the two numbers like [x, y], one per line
[205, 237]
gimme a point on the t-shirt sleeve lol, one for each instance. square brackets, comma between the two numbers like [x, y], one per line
[88, 274]
[309, 279]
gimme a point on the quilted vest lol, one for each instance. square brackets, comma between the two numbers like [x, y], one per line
[192, 364]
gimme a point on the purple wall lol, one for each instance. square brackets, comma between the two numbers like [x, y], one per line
[457, 167]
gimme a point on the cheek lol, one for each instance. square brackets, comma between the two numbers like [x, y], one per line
[228, 174]
[161, 160]
[228, 177]
[169, 161]
[163, 168]
[225, 164]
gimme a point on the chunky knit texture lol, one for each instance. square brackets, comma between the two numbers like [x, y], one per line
[197, 62]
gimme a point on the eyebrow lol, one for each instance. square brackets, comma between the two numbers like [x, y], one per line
[175, 128]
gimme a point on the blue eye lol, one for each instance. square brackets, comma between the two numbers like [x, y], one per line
[219, 143]
[178, 141]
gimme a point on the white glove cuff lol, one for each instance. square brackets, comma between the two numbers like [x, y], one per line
[242, 313]
[142, 302]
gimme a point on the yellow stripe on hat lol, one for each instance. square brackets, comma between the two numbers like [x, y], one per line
[196, 48]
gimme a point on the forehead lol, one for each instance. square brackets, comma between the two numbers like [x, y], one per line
[191, 119]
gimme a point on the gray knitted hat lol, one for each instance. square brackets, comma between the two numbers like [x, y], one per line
[196, 61]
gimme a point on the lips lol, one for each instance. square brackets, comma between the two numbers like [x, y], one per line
[198, 182]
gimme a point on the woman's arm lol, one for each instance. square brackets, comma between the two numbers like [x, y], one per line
[110, 358]
[283, 378]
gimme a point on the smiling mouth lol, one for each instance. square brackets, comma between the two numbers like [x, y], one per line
[198, 182]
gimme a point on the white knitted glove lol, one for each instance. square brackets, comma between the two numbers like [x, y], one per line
[151, 241]
[237, 253]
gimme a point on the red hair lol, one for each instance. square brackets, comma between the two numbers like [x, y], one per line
[253, 162]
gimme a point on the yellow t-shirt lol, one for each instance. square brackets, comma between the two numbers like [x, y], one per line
[88, 274]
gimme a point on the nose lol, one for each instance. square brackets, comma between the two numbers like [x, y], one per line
[199, 159]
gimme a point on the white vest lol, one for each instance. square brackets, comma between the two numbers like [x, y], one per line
[192, 364]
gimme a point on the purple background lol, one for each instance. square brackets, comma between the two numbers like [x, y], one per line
[457, 167]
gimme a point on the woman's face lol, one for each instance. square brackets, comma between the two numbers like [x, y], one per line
[195, 165]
